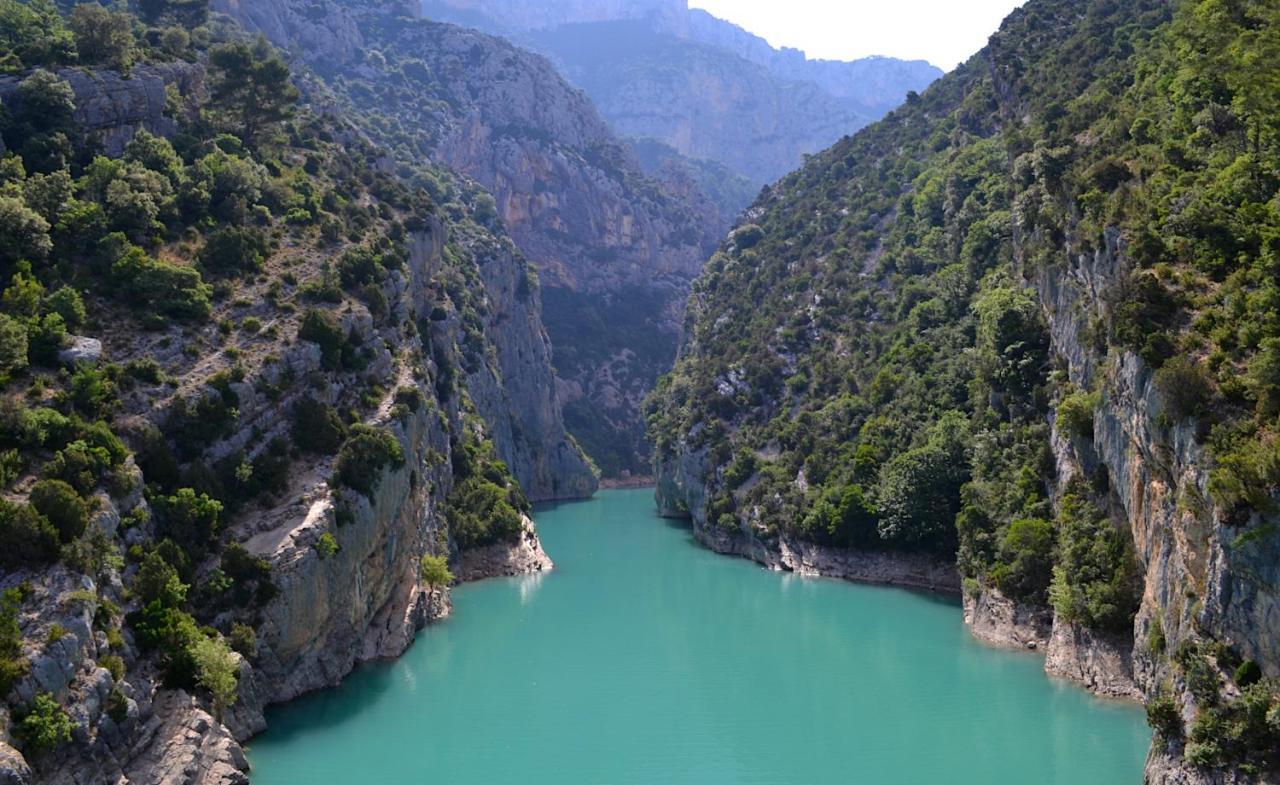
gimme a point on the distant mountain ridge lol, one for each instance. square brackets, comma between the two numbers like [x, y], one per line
[700, 85]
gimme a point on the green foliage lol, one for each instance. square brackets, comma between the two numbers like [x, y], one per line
[1242, 733]
[919, 490]
[1095, 582]
[33, 33]
[217, 670]
[62, 506]
[12, 664]
[337, 352]
[172, 633]
[327, 545]
[317, 428]
[102, 37]
[244, 640]
[434, 572]
[24, 233]
[1247, 674]
[1075, 413]
[29, 539]
[250, 91]
[250, 576]
[366, 453]
[13, 347]
[161, 287]
[43, 725]
[480, 513]
[1025, 566]
[158, 582]
[185, 13]
[1184, 387]
[1164, 717]
[234, 249]
[188, 518]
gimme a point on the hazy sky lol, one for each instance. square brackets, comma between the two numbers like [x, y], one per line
[944, 32]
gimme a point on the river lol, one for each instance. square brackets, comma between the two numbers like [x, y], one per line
[645, 659]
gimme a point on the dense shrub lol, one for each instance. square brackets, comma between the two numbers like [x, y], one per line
[234, 249]
[1025, 568]
[12, 664]
[322, 329]
[62, 506]
[157, 581]
[43, 725]
[480, 513]
[1164, 717]
[1075, 413]
[366, 453]
[317, 428]
[1184, 387]
[161, 287]
[29, 539]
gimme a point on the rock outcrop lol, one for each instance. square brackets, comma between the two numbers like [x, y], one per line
[112, 107]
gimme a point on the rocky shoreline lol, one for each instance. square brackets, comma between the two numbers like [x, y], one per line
[914, 571]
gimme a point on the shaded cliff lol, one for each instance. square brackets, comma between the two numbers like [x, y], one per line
[1007, 327]
[614, 251]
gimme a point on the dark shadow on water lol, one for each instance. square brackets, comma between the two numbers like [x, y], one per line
[331, 707]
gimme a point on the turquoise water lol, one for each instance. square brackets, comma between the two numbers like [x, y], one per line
[646, 659]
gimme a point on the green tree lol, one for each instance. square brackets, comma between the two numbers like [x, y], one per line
[12, 664]
[217, 670]
[13, 346]
[919, 490]
[250, 88]
[103, 37]
[45, 122]
[1026, 560]
[62, 506]
[158, 581]
[435, 572]
[234, 249]
[189, 518]
[317, 428]
[24, 234]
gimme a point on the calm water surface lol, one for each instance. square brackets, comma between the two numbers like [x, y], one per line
[644, 659]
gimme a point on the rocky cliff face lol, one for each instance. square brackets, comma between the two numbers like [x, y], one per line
[614, 251]
[112, 108]
[702, 86]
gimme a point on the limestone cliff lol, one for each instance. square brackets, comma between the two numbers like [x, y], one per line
[614, 251]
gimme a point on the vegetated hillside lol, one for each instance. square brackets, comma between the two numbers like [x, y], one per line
[249, 378]
[702, 86]
[1028, 322]
[615, 251]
